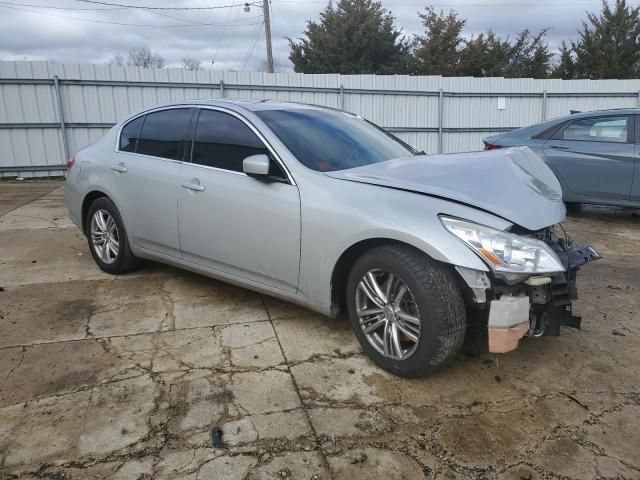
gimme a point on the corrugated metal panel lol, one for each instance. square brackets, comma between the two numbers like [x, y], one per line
[30, 134]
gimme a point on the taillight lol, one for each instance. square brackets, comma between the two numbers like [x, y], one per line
[70, 162]
[489, 146]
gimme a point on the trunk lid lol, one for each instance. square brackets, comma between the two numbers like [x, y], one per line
[513, 183]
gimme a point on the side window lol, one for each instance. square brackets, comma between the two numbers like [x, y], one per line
[600, 129]
[163, 133]
[129, 135]
[223, 141]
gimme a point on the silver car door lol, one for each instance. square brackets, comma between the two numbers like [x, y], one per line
[232, 222]
[144, 177]
[595, 156]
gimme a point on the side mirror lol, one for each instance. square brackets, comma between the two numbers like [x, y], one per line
[256, 166]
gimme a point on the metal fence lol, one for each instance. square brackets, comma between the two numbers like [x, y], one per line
[48, 111]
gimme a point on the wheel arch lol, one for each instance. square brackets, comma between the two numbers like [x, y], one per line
[88, 199]
[345, 262]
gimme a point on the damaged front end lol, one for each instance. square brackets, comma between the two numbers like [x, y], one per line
[515, 305]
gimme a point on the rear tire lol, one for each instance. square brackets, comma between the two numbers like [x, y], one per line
[107, 237]
[430, 295]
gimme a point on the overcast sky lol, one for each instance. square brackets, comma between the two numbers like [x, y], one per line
[28, 30]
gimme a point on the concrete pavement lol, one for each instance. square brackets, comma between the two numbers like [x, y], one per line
[124, 376]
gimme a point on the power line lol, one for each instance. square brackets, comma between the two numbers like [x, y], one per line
[92, 20]
[389, 5]
[255, 41]
[55, 7]
[194, 22]
[215, 55]
[143, 7]
[231, 34]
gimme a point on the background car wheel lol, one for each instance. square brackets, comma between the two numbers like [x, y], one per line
[108, 238]
[405, 309]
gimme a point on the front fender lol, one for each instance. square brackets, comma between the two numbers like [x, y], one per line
[330, 229]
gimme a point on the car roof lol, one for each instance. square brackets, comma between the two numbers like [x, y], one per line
[530, 131]
[247, 104]
[595, 113]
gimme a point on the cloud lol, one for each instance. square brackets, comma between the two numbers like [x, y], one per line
[39, 33]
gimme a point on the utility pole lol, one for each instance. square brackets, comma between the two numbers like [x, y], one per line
[267, 34]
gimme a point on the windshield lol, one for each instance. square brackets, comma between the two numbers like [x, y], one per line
[328, 140]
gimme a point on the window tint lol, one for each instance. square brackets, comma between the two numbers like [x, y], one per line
[129, 135]
[163, 133]
[223, 141]
[602, 129]
[328, 140]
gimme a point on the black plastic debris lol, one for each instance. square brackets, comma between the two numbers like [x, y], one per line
[216, 437]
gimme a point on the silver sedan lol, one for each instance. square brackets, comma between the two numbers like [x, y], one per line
[322, 208]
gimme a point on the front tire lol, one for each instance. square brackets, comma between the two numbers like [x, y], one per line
[406, 310]
[107, 237]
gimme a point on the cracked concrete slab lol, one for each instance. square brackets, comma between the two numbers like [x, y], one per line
[305, 337]
[367, 463]
[125, 377]
[200, 302]
[48, 211]
[354, 380]
[44, 256]
[14, 194]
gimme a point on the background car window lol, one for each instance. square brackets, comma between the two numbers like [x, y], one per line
[129, 135]
[223, 141]
[163, 133]
[608, 129]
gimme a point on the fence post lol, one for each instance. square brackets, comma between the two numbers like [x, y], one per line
[63, 128]
[221, 88]
[544, 105]
[440, 119]
[341, 97]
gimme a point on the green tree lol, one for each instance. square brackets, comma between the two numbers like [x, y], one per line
[566, 66]
[437, 52]
[608, 44]
[488, 55]
[352, 37]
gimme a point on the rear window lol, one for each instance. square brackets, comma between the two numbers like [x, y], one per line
[600, 129]
[130, 134]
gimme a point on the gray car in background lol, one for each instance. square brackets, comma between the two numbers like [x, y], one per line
[595, 155]
[322, 208]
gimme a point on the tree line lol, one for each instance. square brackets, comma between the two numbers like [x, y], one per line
[143, 57]
[360, 37]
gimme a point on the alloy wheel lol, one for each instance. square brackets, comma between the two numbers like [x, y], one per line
[104, 236]
[388, 314]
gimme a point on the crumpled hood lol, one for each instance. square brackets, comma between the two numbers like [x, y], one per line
[512, 183]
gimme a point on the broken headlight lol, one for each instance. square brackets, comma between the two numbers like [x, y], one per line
[505, 252]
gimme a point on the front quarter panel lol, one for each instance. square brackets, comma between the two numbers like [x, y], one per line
[337, 214]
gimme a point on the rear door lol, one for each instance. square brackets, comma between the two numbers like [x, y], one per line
[144, 177]
[595, 156]
[232, 222]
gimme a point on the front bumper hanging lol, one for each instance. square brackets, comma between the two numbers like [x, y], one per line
[540, 305]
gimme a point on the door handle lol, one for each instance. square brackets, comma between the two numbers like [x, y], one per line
[559, 147]
[193, 186]
[119, 167]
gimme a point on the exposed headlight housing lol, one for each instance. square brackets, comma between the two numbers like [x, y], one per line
[505, 252]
